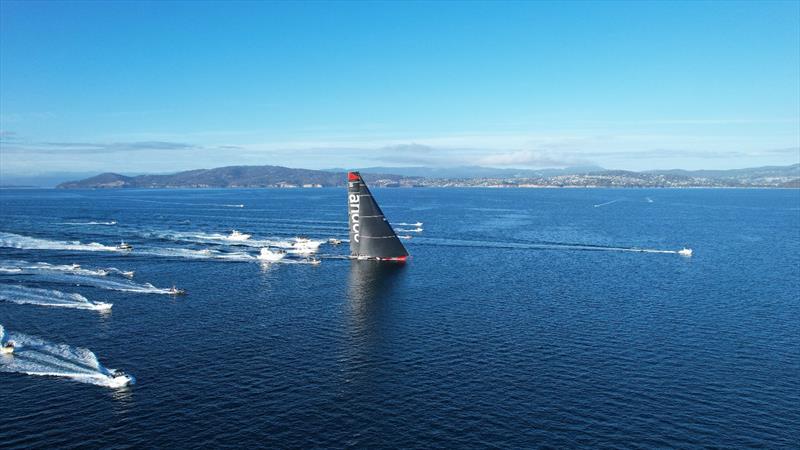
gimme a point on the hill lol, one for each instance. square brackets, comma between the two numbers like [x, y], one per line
[231, 177]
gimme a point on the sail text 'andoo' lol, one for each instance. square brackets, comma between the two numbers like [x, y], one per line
[371, 235]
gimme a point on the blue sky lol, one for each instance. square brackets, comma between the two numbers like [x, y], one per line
[166, 86]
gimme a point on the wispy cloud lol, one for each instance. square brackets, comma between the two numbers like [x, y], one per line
[529, 158]
[94, 147]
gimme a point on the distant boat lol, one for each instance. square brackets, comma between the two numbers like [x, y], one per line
[237, 236]
[334, 241]
[175, 291]
[270, 255]
[371, 235]
[7, 348]
[124, 246]
[685, 252]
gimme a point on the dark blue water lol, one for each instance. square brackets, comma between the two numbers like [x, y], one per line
[521, 321]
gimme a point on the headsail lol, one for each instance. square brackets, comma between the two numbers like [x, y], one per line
[371, 236]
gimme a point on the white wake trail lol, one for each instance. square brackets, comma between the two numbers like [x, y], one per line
[608, 203]
[198, 254]
[12, 266]
[110, 222]
[36, 356]
[23, 295]
[12, 240]
[121, 285]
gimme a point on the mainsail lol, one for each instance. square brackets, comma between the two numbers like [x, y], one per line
[371, 236]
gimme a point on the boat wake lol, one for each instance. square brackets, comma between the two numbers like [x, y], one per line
[110, 222]
[12, 240]
[36, 356]
[410, 230]
[121, 285]
[608, 203]
[543, 246]
[198, 254]
[23, 295]
[232, 240]
[28, 267]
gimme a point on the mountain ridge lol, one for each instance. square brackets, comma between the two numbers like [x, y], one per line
[278, 176]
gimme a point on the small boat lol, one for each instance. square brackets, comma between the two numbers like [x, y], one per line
[685, 252]
[7, 349]
[313, 261]
[334, 241]
[404, 236]
[270, 255]
[237, 236]
[124, 246]
[175, 291]
[119, 378]
[128, 274]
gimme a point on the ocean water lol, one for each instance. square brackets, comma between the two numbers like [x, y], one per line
[525, 318]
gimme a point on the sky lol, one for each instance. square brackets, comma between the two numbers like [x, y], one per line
[138, 87]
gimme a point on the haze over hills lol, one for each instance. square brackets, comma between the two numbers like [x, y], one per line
[475, 171]
[276, 176]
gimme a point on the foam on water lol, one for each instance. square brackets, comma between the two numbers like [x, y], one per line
[28, 267]
[198, 254]
[23, 295]
[31, 243]
[36, 356]
[608, 203]
[536, 246]
[225, 239]
[110, 222]
[101, 283]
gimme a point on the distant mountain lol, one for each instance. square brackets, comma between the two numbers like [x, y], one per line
[233, 176]
[754, 174]
[276, 176]
[476, 171]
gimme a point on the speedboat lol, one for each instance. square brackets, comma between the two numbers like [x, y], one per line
[237, 236]
[334, 241]
[118, 378]
[124, 246]
[128, 274]
[102, 306]
[175, 291]
[313, 261]
[270, 255]
[685, 252]
[8, 348]
[304, 246]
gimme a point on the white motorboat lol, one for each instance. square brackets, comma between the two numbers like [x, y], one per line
[237, 236]
[7, 348]
[175, 291]
[118, 378]
[685, 252]
[270, 255]
[124, 246]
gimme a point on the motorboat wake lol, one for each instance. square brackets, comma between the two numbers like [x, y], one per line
[35, 356]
